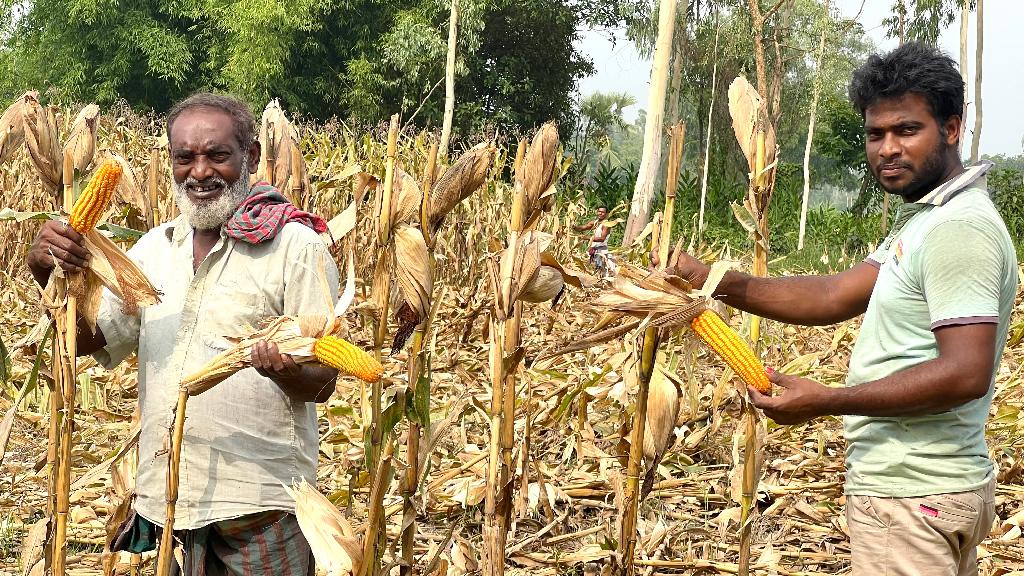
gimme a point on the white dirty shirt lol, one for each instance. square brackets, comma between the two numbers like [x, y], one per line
[244, 438]
[951, 262]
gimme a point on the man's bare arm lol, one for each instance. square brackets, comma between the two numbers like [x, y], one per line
[806, 300]
[962, 372]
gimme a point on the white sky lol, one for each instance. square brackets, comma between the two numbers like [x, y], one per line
[619, 68]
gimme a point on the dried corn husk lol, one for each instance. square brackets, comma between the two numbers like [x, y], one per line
[539, 171]
[412, 268]
[543, 286]
[405, 199]
[744, 106]
[129, 189]
[662, 411]
[32, 547]
[459, 181]
[277, 138]
[81, 141]
[334, 543]
[41, 141]
[12, 126]
[115, 270]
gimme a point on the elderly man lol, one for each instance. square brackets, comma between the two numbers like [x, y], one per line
[235, 256]
[936, 298]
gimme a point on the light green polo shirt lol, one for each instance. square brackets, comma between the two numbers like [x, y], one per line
[948, 261]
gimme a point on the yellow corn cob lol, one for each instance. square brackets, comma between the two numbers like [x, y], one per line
[348, 358]
[728, 344]
[95, 200]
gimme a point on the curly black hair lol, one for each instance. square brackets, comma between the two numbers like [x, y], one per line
[913, 67]
[241, 115]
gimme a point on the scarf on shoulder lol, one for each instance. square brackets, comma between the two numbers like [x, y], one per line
[264, 212]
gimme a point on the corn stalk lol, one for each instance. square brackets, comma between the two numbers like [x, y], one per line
[165, 552]
[415, 371]
[512, 272]
[65, 363]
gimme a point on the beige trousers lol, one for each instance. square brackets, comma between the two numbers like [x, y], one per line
[922, 536]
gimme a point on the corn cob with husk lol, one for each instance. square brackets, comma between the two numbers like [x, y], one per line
[333, 541]
[81, 141]
[40, 126]
[12, 126]
[109, 265]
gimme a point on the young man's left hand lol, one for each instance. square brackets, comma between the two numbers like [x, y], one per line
[797, 399]
[269, 362]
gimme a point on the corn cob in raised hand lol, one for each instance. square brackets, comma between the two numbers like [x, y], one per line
[736, 353]
[347, 358]
[96, 197]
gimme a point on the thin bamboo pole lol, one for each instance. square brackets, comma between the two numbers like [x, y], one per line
[707, 145]
[166, 550]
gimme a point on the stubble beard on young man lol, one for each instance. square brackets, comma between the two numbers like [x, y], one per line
[926, 177]
[211, 215]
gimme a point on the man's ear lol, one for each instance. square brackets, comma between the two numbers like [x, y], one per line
[254, 155]
[954, 127]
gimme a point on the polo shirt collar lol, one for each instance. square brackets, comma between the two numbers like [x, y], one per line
[954, 186]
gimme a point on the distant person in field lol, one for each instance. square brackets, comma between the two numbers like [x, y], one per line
[237, 255]
[598, 249]
[936, 298]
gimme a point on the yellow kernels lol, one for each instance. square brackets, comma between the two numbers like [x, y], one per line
[96, 198]
[348, 358]
[736, 353]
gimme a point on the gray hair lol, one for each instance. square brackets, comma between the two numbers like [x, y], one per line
[241, 115]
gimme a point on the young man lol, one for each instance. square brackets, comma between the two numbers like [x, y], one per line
[235, 256]
[936, 298]
[599, 240]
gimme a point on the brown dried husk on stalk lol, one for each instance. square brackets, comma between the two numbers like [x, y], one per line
[81, 141]
[12, 126]
[277, 139]
[336, 547]
[539, 172]
[129, 189]
[744, 106]
[41, 142]
[405, 200]
[459, 181]
[115, 270]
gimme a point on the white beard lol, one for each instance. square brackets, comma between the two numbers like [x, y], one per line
[213, 214]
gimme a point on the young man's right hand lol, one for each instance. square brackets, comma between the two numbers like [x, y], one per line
[56, 241]
[690, 269]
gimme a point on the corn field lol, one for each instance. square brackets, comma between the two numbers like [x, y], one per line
[569, 416]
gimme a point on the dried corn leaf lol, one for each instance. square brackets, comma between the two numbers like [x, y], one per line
[119, 273]
[405, 199]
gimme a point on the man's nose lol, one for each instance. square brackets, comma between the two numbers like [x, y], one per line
[890, 146]
[201, 168]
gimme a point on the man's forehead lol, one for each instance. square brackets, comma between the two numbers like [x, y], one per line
[206, 127]
[909, 107]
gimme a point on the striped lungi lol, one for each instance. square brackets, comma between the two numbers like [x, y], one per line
[266, 543]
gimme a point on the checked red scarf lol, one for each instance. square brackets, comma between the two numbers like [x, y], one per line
[262, 215]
